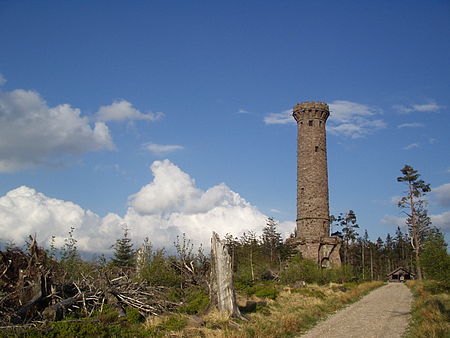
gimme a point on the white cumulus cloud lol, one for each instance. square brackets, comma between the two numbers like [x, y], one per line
[393, 220]
[24, 212]
[33, 134]
[2, 79]
[168, 206]
[442, 195]
[124, 110]
[441, 221]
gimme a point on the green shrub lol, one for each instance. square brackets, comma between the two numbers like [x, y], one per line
[134, 316]
[108, 315]
[159, 272]
[300, 269]
[196, 301]
[173, 323]
[261, 289]
[265, 291]
[436, 288]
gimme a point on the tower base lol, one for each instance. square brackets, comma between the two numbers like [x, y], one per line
[323, 250]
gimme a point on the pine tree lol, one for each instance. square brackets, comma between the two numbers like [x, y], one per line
[348, 232]
[123, 251]
[271, 239]
[413, 205]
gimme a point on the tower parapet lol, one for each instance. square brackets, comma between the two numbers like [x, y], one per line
[311, 110]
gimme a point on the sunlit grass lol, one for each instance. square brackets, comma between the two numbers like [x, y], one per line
[431, 309]
[294, 311]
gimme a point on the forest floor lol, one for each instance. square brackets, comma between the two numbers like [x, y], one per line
[385, 312]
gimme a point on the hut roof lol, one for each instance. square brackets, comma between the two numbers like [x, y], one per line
[399, 269]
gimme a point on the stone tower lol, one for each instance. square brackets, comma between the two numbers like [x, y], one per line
[313, 216]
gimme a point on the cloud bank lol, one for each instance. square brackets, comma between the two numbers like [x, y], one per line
[442, 195]
[168, 206]
[33, 134]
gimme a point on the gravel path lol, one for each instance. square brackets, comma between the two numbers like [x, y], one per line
[384, 312]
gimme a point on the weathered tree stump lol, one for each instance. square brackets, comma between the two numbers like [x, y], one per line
[222, 292]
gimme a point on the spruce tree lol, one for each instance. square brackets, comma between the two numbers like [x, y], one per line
[123, 251]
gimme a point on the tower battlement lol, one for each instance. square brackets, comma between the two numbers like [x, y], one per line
[311, 110]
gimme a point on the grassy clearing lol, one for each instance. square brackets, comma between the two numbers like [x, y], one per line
[431, 309]
[293, 311]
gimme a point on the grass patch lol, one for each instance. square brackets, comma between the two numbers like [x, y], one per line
[430, 315]
[293, 311]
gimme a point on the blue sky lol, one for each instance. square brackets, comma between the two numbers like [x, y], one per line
[93, 93]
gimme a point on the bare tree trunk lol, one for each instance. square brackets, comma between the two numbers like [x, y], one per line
[222, 291]
[251, 264]
[362, 254]
[371, 265]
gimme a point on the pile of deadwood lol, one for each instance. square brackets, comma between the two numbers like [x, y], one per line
[33, 288]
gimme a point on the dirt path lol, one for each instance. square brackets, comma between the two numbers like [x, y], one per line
[384, 312]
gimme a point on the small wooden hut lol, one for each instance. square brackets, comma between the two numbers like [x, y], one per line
[400, 274]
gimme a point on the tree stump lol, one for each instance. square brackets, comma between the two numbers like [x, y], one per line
[222, 292]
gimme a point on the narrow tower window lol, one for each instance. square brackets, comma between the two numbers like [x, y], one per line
[310, 122]
[317, 149]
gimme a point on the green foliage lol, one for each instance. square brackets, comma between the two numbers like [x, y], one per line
[195, 301]
[437, 287]
[272, 241]
[89, 328]
[172, 323]
[259, 289]
[123, 251]
[348, 233]
[265, 291]
[159, 271]
[434, 258]
[300, 269]
[134, 316]
[71, 261]
[431, 309]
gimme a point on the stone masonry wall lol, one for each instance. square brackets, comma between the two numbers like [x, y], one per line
[313, 219]
[312, 173]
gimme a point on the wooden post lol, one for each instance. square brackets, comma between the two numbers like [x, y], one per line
[222, 291]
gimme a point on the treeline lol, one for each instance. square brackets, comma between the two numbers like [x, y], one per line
[373, 260]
